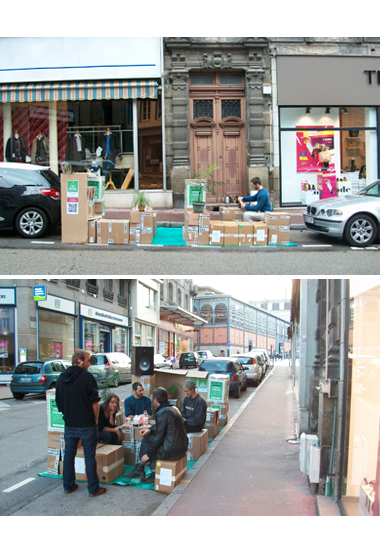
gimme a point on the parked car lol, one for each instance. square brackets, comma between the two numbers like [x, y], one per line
[36, 376]
[30, 198]
[190, 359]
[255, 367]
[111, 368]
[231, 366]
[161, 363]
[264, 353]
[205, 354]
[354, 217]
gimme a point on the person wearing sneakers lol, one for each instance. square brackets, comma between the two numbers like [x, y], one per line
[167, 441]
[77, 398]
[255, 212]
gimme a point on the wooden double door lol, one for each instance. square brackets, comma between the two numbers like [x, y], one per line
[218, 137]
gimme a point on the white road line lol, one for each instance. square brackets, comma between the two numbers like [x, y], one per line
[4, 406]
[317, 246]
[14, 487]
[42, 242]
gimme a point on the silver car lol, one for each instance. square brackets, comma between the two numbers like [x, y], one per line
[114, 367]
[354, 217]
[254, 366]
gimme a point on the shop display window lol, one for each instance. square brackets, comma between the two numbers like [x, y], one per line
[70, 136]
[362, 449]
[314, 142]
[55, 335]
[7, 350]
[120, 340]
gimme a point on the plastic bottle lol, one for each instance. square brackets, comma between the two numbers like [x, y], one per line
[145, 419]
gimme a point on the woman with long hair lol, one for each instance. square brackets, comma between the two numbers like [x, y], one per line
[108, 432]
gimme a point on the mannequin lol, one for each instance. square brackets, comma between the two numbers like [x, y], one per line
[16, 148]
[40, 149]
[75, 151]
[110, 149]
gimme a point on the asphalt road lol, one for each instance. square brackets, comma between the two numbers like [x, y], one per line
[311, 255]
[23, 443]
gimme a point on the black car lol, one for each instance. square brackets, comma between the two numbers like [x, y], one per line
[30, 198]
[190, 359]
[230, 366]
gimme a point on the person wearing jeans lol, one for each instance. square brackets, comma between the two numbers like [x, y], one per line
[77, 397]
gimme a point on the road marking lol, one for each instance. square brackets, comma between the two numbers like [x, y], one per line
[4, 406]
[14, 487]
[317, 245]
[364, 248]
[42, 242]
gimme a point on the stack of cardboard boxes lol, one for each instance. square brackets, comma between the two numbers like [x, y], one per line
[278, 224]
[196, 229]
[143, 226]
[109, 458]
[218, 389]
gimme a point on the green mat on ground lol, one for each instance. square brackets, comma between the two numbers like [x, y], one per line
[168, 236]
[121, 480]
[172, 236]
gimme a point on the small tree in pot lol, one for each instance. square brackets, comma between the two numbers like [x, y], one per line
[205, 181]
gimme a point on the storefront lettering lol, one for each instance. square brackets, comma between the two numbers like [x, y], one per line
[370, 73]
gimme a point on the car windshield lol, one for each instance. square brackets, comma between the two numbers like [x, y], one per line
[101, 359]
[372, 190]
[217, 366]
[28, 368]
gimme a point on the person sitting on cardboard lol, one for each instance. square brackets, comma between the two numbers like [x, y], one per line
[257, 211]
[137, 403]
[194, 409]
[166, 441]
[107, 429]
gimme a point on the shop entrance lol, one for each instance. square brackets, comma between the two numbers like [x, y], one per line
[218, 133]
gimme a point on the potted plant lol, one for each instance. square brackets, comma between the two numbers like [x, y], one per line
[173, 391]
[140, 200]
[204, 181]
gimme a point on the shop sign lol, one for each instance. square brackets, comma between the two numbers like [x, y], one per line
[178, 326]
[39, 293]
[56, 303]
[370, 73]
[7, 297]
[102, 315]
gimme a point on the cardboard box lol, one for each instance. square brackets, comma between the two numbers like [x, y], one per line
[54, 417]
[222, 409]
[245, 233]
[231, 234]
[74, 208]
[54, 463]
[92, 226]
[148, 382]
[278, 235]
[260, 234]
[169, 474]
[212, 423]
[277, 219]
[200, 379]
[112, 231]
[197, 444]
[90, 201]
[197, 219]
[217, 233]
[98, 183]
[99, 209]
[109, 460]
[120, 418]
[231, 214]
[218, 388]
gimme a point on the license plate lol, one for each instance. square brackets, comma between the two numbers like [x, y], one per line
[309, 219]
[25, 379]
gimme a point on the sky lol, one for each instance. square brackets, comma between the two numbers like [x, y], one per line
[249, 287]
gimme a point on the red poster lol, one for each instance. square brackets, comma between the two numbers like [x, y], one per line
[312, 147]
[58, 350]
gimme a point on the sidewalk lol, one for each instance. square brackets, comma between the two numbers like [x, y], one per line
[251, 468]
[175, 217]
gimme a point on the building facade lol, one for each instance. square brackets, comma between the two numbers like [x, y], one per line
[337, 384]
[235, 326]
[179, 326]
[47, 318]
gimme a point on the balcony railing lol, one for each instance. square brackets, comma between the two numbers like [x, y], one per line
[108, 295]
[92, 289]
[73, 283]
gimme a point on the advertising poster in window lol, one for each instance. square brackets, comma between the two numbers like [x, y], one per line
[315, 149]
[3, 348]
[58, 350]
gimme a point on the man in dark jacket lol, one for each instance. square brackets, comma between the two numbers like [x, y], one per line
[77, 397]
[194, 409]
[168, 441]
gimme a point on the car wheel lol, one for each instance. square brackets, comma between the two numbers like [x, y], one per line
[237, 393]
[244, 388]
[32, 223]
[18, 395]
[360, 230]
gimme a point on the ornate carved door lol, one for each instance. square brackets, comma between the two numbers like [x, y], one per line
[217, 115]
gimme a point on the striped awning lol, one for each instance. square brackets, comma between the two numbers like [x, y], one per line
[78, 91]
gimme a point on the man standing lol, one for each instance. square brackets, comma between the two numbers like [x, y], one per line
[257, 211]
[77, 397]
[138, 402]
[167, 441]
[194, 409]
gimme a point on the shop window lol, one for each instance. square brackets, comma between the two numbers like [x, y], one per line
[339, 141]
[171, 293]
[137, 334]
[55, 335]
[150, 335]
[150, 143]
[179, 297]
[7, 351]
[120, 340]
